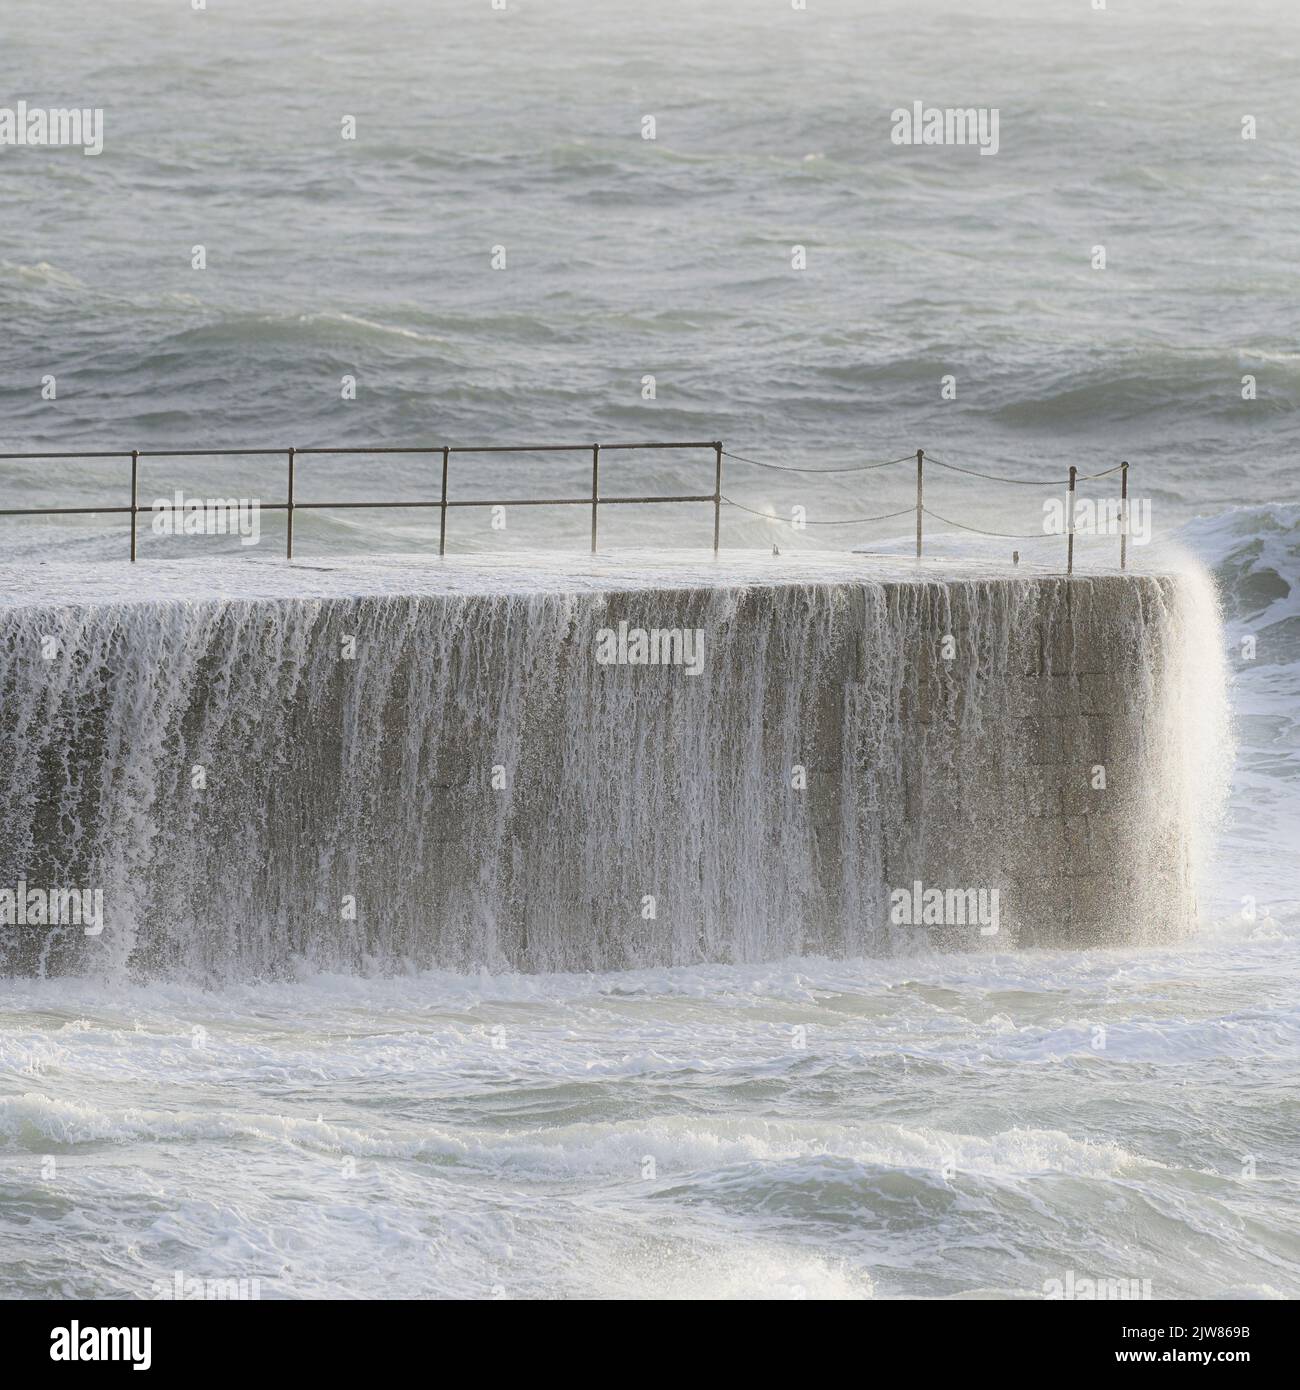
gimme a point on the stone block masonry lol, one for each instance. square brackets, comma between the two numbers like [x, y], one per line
[389, 765]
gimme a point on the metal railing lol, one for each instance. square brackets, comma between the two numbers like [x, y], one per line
[444, 502]
[594, 499]
[921, 510]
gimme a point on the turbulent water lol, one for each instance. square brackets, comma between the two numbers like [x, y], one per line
[952, 1125]
[670, 258]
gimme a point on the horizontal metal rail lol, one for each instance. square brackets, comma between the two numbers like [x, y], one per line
[375, 449]
[444, 502]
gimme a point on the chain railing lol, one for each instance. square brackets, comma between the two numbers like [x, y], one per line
[920, 510]
[445, 503]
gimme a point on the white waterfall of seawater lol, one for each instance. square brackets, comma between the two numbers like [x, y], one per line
[1195, 746]
[386, 781]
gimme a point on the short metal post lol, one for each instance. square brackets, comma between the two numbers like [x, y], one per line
[288, 549]
[595, 492]
[1069, 545]
[135, 473]
[1123, 514]
[920, 496]
[442, 520]
[717, 495]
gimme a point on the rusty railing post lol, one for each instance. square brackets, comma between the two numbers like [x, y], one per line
[288, 534]
[1069, 544]
[595, 492]
[920, 497]
[135, 473]
[1123, 514]
[442, 520]
[717, 495]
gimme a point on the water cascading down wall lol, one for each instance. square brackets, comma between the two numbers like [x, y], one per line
[433, 767]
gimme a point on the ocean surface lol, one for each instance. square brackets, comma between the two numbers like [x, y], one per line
[940, 1125]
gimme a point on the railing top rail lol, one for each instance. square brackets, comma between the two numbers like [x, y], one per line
[367, 449]
[96, 454]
